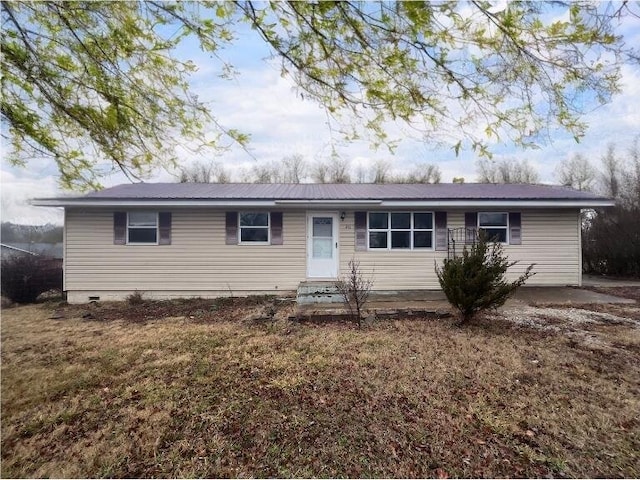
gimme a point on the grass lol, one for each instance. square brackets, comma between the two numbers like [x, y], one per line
[177, 389]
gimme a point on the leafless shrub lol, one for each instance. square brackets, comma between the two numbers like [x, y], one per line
[24, 277]
[135, 298]
[355, 290]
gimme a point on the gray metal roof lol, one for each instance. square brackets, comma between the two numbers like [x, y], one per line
[253, 191]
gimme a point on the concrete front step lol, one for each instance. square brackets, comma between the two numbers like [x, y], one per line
[318, 292]
[330, 313]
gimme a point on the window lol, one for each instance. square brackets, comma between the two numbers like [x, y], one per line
[254, 227]
[400, 230]
[142, 227]
[495, 225]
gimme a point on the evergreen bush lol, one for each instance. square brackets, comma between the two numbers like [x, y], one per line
[475, 281]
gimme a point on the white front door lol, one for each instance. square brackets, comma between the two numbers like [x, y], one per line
[322, 245]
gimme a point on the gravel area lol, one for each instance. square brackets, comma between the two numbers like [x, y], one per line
[588, 327]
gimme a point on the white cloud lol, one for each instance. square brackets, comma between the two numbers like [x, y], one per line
[18, 190]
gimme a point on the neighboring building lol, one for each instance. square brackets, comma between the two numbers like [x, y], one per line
[186, 239]
[53, 250]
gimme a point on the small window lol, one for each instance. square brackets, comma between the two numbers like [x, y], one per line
[254, 227]
[142, 227]
[400, 230]
[495, 225]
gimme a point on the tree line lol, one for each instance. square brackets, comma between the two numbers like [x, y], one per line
[611, 236]
[16, 233]
[295, 169]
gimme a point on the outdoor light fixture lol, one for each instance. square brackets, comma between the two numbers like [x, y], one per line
[342, 215]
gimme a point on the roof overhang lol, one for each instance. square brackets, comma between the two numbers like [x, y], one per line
[428, 203]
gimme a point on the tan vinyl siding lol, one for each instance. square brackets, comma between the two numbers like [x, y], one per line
[198, 263]
[196, 260]
[549, 239]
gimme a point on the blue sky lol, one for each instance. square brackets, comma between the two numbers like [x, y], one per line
[262, 103]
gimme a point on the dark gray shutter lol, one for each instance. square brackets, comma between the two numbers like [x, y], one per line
[164, 221]
[360, 221]
[231, 228]
[276, 228]
[515, 228]
[119, 228]
[470, 225]
[441, 230]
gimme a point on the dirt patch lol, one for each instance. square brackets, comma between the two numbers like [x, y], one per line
[196, 309]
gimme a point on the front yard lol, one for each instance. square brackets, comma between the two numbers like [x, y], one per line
[200, 389]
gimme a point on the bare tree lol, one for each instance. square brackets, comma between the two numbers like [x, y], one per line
[610, 237]
[244, 175]
[378, 172]
[361, 174]
[294, 169]
[610, 176]
[199, 172]
[339, 170]
[631, 180]
[320, 172]
[381, 171]
[508, 170]
[273, 172]
[424, 173]
[576, 172]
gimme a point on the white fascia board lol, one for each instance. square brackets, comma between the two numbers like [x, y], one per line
[501, 203]
[151, 203]
[52, 202]
[344, 203]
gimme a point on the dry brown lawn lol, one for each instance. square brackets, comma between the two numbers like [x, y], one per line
[207, 392]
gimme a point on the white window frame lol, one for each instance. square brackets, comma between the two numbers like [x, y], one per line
[157, 229]
[505, 227]
[411, 231]
[240, 227]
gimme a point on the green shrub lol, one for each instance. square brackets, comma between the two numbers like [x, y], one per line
[475, 281]
[24, 277]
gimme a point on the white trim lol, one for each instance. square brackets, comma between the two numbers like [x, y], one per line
[335, 232]
[411, 231]
[157, 228]
[506, 227]
[580, 249]
[161, 203]
[157, 203]
[500, 203]
[328, 202]
[268, 228]
[64, 251]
